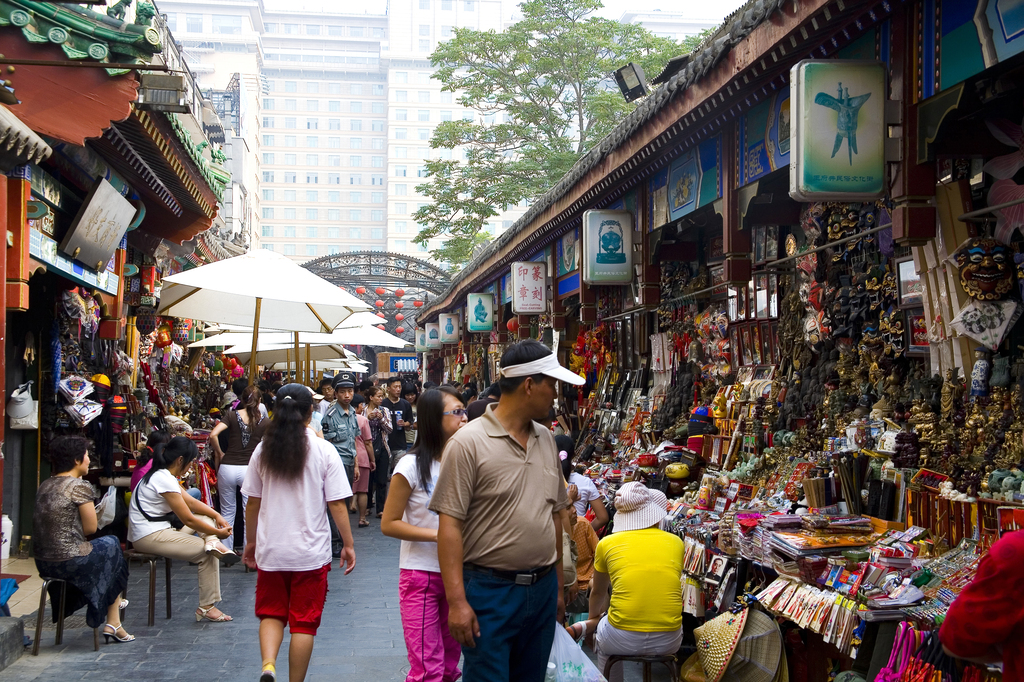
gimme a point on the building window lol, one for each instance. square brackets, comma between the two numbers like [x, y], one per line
[356, 31]
[333, 160]
[423, 115]
[289, 231]
[312, 178]
[400, 171]
[470, 5]
[268, 247]
[334, 232]
[291, 178]
[400, 244]
[268, 140]
[401, 133]
[446, 98]
[355, 233]
[424, 4]
[355, 161]
[268, 212]
[446, 31]
[333, 249]
[334, 178]
[356, 124]
[289, 249]
[268, 121]
[194, 23]
[401, 95]
[424, 29]
[267, 230]
[376, 197]
[334, 88]
[289, 159]
[334, 124]
[311, 232]
[289, 213]
[424, 46]
[291, 28]
[312, 29]
[334, 214]
[311, 141]
[291, 104]
[355, 143]
[355, 197]
[312, 196]
[355, 107]
[377, 179]
[378, 90]
[268, 195]
[268, 103]
[289, 195]
[312, 214]
[270, 28]
[268, 176]
[334, 105]
[378, 162]
[377, 126]
[424, 96]
[401, 114]
[421, 172]
[377, 215]
[422, 248]
[377, 32]
[310, 249]
[401, 77]
[312, 105]
[334, 197]
[377, 107]
[377, 143]
[312, 87]
[355, 179]
[446, 5]
[424, 134]
[401, 209]
[401, 190]
[334, 142]
[312, 160]
[290, 141]
[400, 226]
[291, 86]
[268, 157]
[312, 124]
[355, 215]
[291, 122]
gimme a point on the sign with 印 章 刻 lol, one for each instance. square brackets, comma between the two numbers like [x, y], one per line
[449, 327]
[480, 312]
[607, 247]
[529, 288]
[838, 130]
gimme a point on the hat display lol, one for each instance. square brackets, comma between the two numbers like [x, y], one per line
[638, 507]
[740, 647]
[344, 380]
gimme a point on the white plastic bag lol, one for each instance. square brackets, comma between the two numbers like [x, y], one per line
[568, 663]
[106, 508]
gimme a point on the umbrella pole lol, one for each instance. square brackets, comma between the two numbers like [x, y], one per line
[298, 360]
[255, 334]
[287, 362]
[309, 366]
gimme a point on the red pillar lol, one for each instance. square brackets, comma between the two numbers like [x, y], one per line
[735, 240]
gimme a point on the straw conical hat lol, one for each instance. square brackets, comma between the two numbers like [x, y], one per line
[717, 640]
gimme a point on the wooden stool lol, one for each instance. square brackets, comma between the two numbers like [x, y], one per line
[668, 660]
[60, 617]
[152, 559]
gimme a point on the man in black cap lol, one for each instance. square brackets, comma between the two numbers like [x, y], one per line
[341, 428]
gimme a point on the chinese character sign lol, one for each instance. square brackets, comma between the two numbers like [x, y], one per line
[449, 325]
[607, 247]
[480, 309]
[421, 340]
[433, 333]
[529, 288]
[837, 130]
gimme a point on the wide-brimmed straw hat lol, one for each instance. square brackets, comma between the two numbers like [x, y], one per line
[740, 647]
[638, 507]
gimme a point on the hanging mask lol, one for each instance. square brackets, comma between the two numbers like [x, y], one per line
[986, 269]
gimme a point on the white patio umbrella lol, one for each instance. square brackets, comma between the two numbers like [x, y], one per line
[261, 288]
[342, 336]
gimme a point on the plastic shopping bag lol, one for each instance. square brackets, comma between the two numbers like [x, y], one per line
[568, 663]
[106, 508]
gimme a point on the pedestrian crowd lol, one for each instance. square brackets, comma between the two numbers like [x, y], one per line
[499, 537]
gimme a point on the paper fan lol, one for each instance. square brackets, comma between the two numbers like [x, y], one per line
[987, 322]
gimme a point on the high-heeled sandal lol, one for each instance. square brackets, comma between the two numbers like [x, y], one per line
[223, 554]
[107, 636]
[571, 629]
[204, 614]
[123, 605]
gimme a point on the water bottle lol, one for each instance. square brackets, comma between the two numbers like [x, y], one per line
[552, 673]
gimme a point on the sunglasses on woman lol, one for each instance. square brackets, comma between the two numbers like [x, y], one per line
[458, 412]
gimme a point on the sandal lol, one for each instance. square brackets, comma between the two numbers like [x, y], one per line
[363, 523]
[223, 554]
[582, 631]
[123, 605]
[204, 614]
[110, 632]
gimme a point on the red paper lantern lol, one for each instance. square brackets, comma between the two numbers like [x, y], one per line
[379, 303]
[380, 327]
[399, 305]
[400, 330]
[380, 291]
[381, 315]
[399, 317]
[360, 290]
[513, 325]
[399, 293]
[417, 304]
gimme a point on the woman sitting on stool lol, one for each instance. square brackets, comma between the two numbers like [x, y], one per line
[158, 500]
[64, 515]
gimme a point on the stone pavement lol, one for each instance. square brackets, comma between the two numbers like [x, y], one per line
[360, 638]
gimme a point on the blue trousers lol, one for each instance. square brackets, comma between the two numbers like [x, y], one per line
[517, 626]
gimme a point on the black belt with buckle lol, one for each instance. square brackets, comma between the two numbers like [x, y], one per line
[518, 577]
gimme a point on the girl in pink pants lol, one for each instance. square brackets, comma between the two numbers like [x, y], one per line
[433, 652]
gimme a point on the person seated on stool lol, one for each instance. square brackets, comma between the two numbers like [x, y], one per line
[643, 566]
[64, 515]
[157, 501]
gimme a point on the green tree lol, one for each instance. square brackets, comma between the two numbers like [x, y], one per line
[543, 96]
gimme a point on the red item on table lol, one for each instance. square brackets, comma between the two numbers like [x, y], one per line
[987, 617]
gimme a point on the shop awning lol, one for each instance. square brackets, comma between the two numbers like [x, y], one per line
[18, 144]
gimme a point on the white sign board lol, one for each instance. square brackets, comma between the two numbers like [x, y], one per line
[529, 288]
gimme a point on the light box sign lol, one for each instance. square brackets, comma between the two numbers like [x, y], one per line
[529, 288]
[607, 247]
[449, 324]
[433, 333]
[480, 309]
[99, 226]
[421, 340]
[838, 130]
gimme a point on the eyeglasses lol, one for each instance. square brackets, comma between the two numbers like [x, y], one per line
[458, 412]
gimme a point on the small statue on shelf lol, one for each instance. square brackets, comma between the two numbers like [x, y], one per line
[980, 374]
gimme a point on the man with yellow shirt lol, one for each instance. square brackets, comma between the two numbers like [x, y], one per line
[643, 565]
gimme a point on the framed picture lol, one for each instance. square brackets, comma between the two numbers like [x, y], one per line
[776, 351]
[773, 296]
[748, 351]
[715, 249]
[909, 283]
[766, 343]
[761, 293]
[771, 243]
[758, 237]
[716, 570]
[755, 343]
[917, 332]
[734, 347]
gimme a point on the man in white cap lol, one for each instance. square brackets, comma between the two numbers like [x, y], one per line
[499, 495]
[643, 565]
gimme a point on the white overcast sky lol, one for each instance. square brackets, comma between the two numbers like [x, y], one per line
[613, 9]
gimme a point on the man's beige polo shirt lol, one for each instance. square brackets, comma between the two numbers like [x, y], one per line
[504, 495]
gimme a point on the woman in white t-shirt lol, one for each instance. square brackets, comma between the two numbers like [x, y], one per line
[433, 652]
[293, 480]
[157, 500]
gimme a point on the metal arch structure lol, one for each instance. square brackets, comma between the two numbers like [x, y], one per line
[379, 269]
[372, 269]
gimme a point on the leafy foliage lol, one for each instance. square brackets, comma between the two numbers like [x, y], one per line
[543, 96]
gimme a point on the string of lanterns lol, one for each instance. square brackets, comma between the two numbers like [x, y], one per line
[380, 303]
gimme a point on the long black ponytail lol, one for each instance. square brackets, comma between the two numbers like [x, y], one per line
[166, 455]
[285, 444]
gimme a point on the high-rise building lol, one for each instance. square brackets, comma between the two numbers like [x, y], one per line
[677, 25]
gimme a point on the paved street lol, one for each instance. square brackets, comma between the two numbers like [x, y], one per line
[360, 638]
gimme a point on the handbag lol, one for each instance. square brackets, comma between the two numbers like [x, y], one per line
[22, 410]
[902, 652]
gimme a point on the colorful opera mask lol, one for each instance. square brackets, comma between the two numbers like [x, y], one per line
[986, 269]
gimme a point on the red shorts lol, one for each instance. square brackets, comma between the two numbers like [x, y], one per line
[295, 597]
